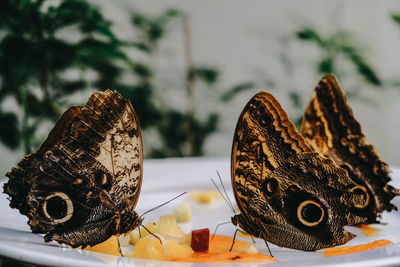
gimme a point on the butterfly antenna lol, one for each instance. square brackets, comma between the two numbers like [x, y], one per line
[220, 192]
[165, 203]
[151, 233]
[218, 225]
[226, 194]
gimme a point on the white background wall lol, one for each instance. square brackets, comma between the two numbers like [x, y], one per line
[241, 39]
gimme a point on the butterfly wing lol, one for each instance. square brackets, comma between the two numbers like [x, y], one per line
[287, 193]
[329, 127]
[83, 183]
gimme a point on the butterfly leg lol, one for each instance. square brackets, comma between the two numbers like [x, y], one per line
[119, 247]
[252, 238]
[234, 239]
[266, 243]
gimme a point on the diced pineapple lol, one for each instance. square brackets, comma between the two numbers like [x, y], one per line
[136, 234]
[204, 196]
[168, 226]
[173, 250]
[148, 247]
[186, 240]
[183, 213]
[152, 226]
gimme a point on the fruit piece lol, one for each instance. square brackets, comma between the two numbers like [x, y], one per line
[359, 248]
[368, 230]
[219, 252]
[186, 240]
[110, 246]
[124, 240]
[135, 235]
[204, 196]
[148, 247]
[230, 257]
[183, 213]
[251, 249]
[222, 243]
[168, 226]
[173, 250]
[200, 240]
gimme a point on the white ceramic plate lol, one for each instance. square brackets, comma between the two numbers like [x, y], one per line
[164, 179]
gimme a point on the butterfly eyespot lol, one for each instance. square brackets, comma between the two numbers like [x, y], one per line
[58, 207]
[361, 190]
[310, 213]
[269, 186]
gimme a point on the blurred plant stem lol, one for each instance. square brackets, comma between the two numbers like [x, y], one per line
[187, 44]
[181, 132]
[26, 138]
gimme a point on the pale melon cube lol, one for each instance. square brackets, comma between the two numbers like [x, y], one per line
[183, 213]
[168, 226]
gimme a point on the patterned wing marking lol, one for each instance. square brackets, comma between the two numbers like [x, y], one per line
[329, 127]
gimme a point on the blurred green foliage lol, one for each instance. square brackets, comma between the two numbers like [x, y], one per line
[34, 57]
[332, 47]
[339, 45]
[181, 132]
[40, 41]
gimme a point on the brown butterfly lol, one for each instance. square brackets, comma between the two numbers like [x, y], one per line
[287, 193]
[330, 128]
[83, 184]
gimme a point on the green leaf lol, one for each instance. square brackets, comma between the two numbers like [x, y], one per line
[363, 68]
[396, 18]
[9, 132]
[231, 93]
[295, 97]
[206, 74]
[92, 53]
[326, 65]
[141, 70]
[308, 34]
